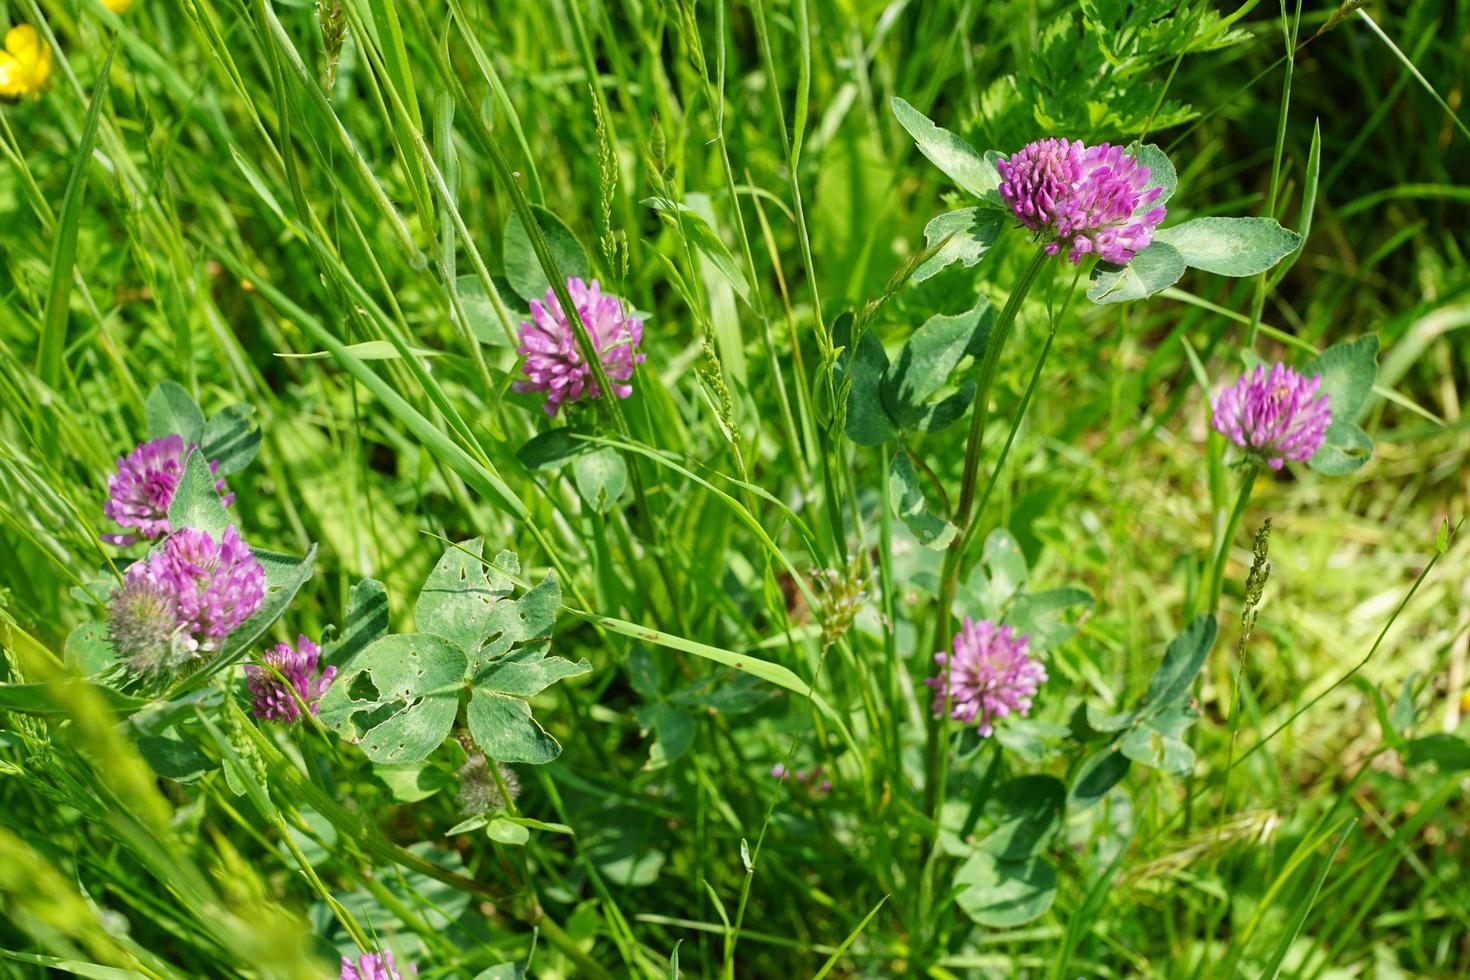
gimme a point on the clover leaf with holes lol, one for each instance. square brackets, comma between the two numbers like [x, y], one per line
[477, 648]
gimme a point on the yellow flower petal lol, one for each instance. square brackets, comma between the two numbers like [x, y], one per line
[12, 76]
[118, 6]
[25, 64]
[24, 43]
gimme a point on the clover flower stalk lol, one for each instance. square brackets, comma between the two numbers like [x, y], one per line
[177, 606]
[143, 486]
[555, 363]
[988, 675]
[285, 679]
[1090, 200]
[1275, 414]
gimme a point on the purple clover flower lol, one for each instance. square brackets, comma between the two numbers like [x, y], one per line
[989, 675]
[219, 585]
[554, 362]
[373, 966]
[143, 486]
[1276, 415]
[270, 697]
[1086, 198]
[180, 602]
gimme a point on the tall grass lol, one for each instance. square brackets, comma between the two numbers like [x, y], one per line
[305, 209]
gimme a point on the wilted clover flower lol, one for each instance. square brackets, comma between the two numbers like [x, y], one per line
[1085, 198]
[1276, 415]
[181, 601]
[373, 966]
[143, 622]
[554, 362]
[989, 675]
[478, 790]
[271, 697]
[144, 485]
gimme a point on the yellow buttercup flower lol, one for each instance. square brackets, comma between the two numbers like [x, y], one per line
[25, 63]
[118, 6]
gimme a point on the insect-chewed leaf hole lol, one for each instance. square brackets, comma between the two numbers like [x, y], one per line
[365, 721]
[362, 687]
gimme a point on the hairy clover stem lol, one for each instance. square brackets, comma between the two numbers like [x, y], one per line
[938, 759]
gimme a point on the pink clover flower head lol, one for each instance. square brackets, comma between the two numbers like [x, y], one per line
[1276, 414]
[219, 584]
[143, 487]
[373, 966]
[553, 358]
[1088, 199]
[180, 602]
[270, 697]
[989, 675]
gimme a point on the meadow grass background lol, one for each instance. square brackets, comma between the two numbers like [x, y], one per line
[235, 207]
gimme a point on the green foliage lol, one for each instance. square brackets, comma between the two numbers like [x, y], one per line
[963, 236]
[196, 503]
[398, 696]
[931, 529]
[231, 439]
[885, 398]
[1007, 881]
[303, 221]
[996, 589]
[861, 370]
[974, 172]
[523, 270]
[1152, 733]
[1349, 370]
[692, 225]
[601, 477]
[1096, 73]
[172, 412]
[1231, 246]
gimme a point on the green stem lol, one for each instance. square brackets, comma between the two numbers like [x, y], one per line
[299, 787]
[1222, 552]
[1289, 31]
[963, 513]
[1020, 416]
[988, 368]
[938, 757]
